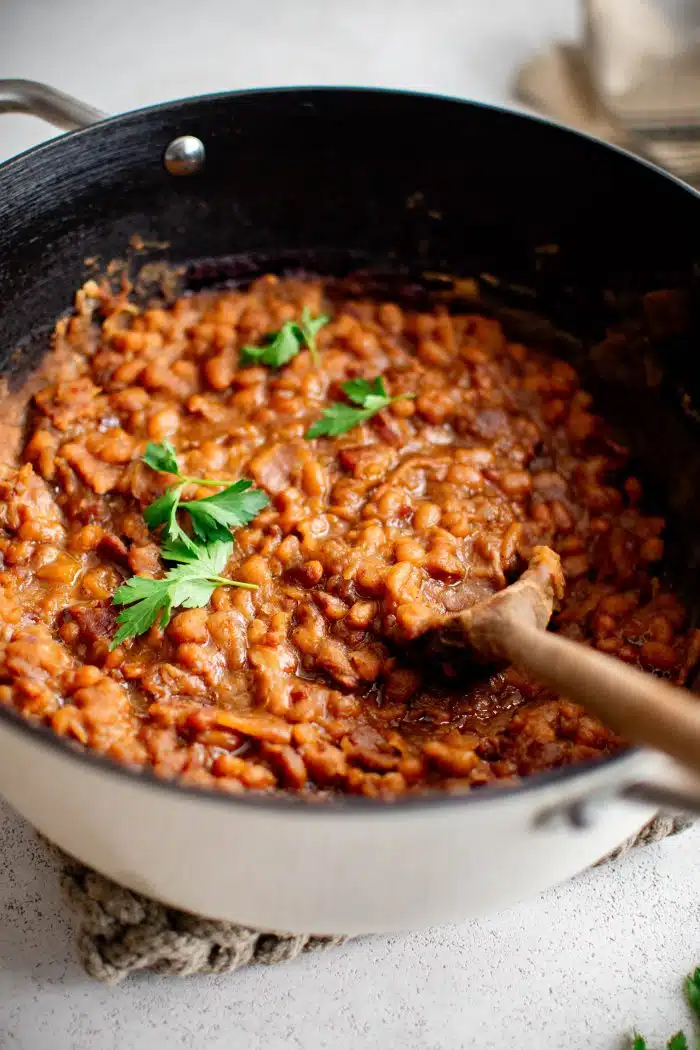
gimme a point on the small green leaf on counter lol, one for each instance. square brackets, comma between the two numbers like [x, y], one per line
[679, 1041]
[692, 987]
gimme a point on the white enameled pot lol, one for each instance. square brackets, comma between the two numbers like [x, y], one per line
[354, 866]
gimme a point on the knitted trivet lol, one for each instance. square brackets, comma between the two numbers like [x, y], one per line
[120, 932]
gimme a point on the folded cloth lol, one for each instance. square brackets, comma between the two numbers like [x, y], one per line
[634, 80]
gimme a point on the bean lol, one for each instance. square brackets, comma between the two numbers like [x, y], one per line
[652, 549]
[163, 424]
[436, 406]
[451, 760]
[659, 656]
[414, 618]
[360, 615]
[63, 569]
[100, 583]
[618, 604]
[409, 551]
[516, 483]
[426, 515]
[661, 630]
[189, 626]
[391, 317]
[370, 576]
[402, 582]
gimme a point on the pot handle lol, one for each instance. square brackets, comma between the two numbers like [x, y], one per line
[677, 796]
[668, 786]
[40, 100]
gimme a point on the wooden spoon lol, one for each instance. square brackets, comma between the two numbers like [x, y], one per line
[510, 627]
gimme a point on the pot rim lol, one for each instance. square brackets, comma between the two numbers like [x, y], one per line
[180, 104]
[297, 804]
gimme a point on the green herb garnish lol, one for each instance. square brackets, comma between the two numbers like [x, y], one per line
[692, 991]
[370, 397]
[678, 1041]
[161, 456]
[212, 517]
[199, 560]
[308, 327]
[282, 346]
[190, 585]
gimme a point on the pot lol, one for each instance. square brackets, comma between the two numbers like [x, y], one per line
[337, 179]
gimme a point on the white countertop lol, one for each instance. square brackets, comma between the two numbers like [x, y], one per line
[577, 968]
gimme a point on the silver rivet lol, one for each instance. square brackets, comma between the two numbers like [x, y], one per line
[184, 155]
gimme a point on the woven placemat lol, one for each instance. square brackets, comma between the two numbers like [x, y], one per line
[121, 933]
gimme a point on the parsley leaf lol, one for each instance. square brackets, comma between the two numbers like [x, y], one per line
[214, 516]
[279, 349]
[190, 585]
[369, 395]
[282, 346]
[692, 987]
[676, 1042]
[198, 562]
[164, 512]
[308, 327]
[679, 1041]
[359, 390]
[338, 418]
[213, 557]
[161, 457]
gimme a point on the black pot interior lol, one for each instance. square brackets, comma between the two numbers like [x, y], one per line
[395, 185]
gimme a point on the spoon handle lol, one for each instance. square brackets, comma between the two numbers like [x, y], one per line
[639, 707]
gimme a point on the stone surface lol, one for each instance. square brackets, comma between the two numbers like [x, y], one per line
[576, 969]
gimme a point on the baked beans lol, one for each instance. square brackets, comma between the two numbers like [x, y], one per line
[309, 683]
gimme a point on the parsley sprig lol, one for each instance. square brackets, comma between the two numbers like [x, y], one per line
[367, 396]
[190, 584]
[198, 560]
[212, 517]
[282, 346]
[679, 1041]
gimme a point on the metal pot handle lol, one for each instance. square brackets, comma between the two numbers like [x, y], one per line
[683, 797]
[40, 100]
[185, 155]
[668, 786]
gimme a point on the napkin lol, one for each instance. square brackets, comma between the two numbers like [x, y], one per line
[633, 79]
